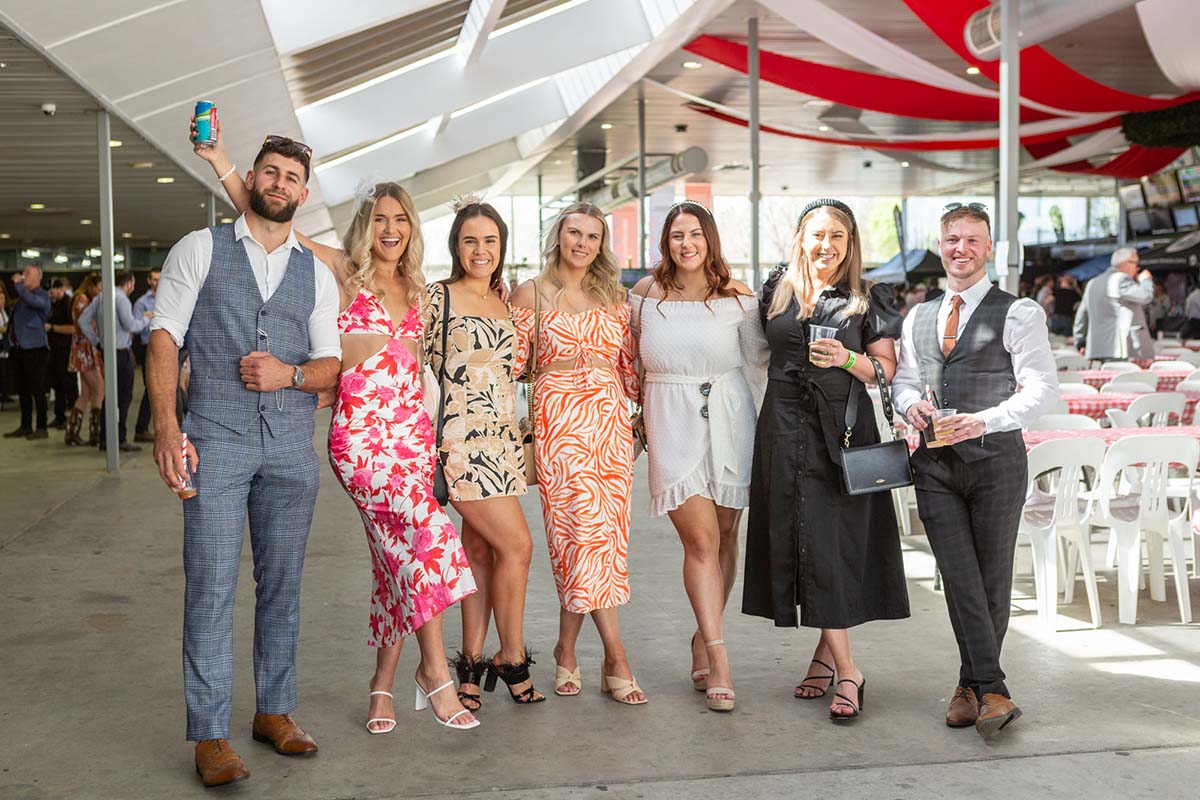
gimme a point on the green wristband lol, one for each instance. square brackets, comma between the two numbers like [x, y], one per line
[850, 359]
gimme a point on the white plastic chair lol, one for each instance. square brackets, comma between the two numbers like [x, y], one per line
[1070, 376]
[1159, 407]
[1173, 351]
[1169, 366]
[1056, 406]
[1128, 387]
[1047, 519]
[1120, 418]
[1075, 388]
[1135, 376]
[1121, 366]
[1189, 357]
[1070, 361]
[1145, 511]
[1064, 422]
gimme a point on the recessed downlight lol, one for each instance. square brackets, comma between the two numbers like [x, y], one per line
[692, 65]
[972, 70]
[85, 222]
[904, 163]
[164, 179]
[37, 206]
[126, 235]
[142, 164]
[822, 128]
[115, 143]
[606, 126]
[226, 220]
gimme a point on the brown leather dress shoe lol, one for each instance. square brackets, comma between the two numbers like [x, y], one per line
[217, 764]
[963, 709]
[284, 734]
[996, 712]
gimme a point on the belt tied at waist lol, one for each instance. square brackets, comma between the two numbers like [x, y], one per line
[580, 366]
[720, 409]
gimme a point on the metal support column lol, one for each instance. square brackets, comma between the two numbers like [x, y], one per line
[641, 172]
[212, 210]
[1122, 216]
[108, 274]
[755, 197]
[1010, 158]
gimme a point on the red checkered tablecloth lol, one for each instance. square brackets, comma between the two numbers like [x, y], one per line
[1094, 405]
[1109, 435]
[1166, 380]
[1144, 363]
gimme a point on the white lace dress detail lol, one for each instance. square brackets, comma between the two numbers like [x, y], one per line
[704, 376]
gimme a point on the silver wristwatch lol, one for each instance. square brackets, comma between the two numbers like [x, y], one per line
[297, 377]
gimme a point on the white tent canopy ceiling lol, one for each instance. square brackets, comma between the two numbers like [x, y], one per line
[501, 95]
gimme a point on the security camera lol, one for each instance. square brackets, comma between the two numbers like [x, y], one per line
[681, 128]
[866, 165]
[48, 109]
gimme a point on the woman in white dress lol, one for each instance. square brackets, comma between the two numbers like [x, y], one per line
[703, 359]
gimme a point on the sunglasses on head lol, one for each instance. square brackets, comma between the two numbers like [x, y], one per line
[980, 207]
[283, 141]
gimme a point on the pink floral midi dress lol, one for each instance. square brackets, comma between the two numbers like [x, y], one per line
[381, 446]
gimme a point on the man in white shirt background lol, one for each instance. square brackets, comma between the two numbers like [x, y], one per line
[971, 349]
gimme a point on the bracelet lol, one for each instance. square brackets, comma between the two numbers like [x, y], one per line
[850, 359]
[227, 174]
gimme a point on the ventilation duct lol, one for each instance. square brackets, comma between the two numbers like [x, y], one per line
[1040, 20]
[673, 168]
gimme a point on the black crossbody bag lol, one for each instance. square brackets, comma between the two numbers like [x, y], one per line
[874, 467]
[441, 491]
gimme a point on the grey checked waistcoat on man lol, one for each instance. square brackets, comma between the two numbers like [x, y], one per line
[978, 373]
[230, 320]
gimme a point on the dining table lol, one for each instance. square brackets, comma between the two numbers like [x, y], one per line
[1095, 404]
[1165, 380]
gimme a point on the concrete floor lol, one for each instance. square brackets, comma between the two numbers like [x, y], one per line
[91, 583]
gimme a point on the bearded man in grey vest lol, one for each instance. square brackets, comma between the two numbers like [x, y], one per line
[986, 354]
[258, 315]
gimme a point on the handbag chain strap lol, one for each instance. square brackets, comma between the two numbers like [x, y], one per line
[531, 370]
[885, 397]
[442, 371]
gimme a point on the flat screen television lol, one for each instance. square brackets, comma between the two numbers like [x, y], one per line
[1189, 182]
[1160, 220]
[1185, 216]
[1161, 189]
[1139, 222]
[1131, 196]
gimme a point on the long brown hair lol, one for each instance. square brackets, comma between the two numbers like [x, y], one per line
[358, 241]
[470, 210]
[603, 279]
[797, 280]
[716, 268]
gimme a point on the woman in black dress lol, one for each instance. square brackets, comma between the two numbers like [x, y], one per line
[809, 544]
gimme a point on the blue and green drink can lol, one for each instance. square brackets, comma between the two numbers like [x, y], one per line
[204, 131]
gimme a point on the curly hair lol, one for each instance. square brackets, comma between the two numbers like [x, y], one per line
[359, 240]
[603, 280]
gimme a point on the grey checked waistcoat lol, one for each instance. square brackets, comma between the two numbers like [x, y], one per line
[978, 373]
[230, 320]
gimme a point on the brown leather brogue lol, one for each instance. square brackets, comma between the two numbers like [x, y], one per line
[217, 764]
[280, 731]
[996, 712]
[963, 709]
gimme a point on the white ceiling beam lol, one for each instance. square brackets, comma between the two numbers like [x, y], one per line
[547, 47]
[302, 24]
[481, 20]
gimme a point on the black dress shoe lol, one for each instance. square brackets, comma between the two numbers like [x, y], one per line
[59, 424]
[19, 433]
[40, 433]
[126, 447]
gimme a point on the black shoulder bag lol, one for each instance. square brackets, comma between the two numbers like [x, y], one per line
[874, 467]
[441, 491]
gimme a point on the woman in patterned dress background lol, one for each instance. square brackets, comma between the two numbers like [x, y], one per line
[87, 363]
[481, 447]
[584, 447]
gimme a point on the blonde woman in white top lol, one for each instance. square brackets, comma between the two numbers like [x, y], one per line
[703, 359]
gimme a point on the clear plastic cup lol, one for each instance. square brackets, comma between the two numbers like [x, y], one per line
[188, 490]
[934, 420]
[816, 332]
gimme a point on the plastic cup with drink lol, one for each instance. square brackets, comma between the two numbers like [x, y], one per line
[937, 426]
[188, 489]
[816, 332]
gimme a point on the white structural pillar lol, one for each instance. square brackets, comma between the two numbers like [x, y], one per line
[755, 197]
[212, 210]
[641, 168]
[108, 272]
[1010, 157]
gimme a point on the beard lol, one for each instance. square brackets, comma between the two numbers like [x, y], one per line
[261, 206]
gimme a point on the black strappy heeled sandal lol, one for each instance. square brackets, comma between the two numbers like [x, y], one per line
[469, 670]
[807, 682]
[857, 707]
[513, 674]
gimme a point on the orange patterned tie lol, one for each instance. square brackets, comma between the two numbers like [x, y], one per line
[950, 335]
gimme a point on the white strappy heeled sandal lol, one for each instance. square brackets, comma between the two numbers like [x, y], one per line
[391, 727]
[422, 700]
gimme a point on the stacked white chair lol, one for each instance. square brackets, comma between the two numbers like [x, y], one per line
[1144, 511]
[1064, 422]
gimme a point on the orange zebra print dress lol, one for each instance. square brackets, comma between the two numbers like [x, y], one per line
[584, 449]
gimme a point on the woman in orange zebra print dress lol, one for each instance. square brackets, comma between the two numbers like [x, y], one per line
[584, 442]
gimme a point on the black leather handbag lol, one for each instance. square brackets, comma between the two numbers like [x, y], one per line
[441, 492]
[874, 467]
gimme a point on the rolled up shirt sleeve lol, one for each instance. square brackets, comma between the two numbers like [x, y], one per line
[323, 338]
[1033, 366]
[906, 383]
[183, 274]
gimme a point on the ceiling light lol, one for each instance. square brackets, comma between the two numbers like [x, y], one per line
[164, 179]
[557, 161]
[226, 220]
[692, 65]
[972, 70]
[126, 235]
[5, 235]
[119, 258]
[3, 64]
[606, 126]
[115, 143]
[818, 103]
[142, 164]
[823, 128]
[31, 253]
[87, 262]
[36, 206]
[61, 259]
[85, 222]
[904, 163]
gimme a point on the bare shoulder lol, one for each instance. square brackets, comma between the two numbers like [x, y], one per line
[740, 287]
[524, 295]
[643, 287]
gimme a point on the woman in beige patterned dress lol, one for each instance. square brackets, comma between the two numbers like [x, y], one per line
[481, 448]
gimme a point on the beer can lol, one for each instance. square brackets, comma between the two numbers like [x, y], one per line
[204, 131]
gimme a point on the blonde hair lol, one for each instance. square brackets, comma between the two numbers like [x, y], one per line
[359, 239]
[797, 279]
[603, 279]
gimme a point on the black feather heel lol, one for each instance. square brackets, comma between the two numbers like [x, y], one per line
[469, 670]
[513, 674]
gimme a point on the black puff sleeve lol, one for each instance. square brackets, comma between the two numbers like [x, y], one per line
[882, 320]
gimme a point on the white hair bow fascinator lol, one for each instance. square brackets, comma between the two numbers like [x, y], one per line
[365, 190]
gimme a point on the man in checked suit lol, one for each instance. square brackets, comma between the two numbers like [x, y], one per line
[974, 346]
[258, 314]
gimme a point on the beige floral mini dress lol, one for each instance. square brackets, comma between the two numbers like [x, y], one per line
[481, 446]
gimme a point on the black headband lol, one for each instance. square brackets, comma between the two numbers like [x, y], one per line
[828, 201]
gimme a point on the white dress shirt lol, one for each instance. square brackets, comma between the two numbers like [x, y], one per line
[186, 269]
[1191, 308]
[1024, 337]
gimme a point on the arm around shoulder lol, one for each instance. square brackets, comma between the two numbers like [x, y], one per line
[524, 295]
